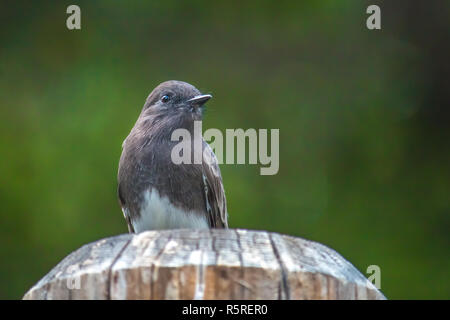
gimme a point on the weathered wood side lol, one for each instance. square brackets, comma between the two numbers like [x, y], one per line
[204, 264]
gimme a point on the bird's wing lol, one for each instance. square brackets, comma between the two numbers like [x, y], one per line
[125, 211]
[214, 192]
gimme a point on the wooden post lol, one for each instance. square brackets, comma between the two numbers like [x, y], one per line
[204, 264]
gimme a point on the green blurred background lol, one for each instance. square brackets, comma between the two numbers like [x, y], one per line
[363, 117]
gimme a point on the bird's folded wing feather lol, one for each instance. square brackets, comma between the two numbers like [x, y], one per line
[214, 191]
[126, 213]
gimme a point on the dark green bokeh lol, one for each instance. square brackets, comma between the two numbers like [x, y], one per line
[363, 118]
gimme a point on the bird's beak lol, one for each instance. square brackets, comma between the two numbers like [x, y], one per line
[199, 100]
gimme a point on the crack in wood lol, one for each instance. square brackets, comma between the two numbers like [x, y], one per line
[241, 261]
[284, 286]
[108, 292]
[152, 267]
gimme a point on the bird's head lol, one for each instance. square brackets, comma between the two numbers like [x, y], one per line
[177, 100]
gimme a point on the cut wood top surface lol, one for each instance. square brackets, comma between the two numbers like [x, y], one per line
[204, 264]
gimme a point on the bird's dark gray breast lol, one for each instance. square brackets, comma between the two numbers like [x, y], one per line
[147, 164]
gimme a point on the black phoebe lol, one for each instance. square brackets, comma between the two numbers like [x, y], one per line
[156, 193]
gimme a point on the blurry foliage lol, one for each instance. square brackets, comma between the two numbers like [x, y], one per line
[364, 151]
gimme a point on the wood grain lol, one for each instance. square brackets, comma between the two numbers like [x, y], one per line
[204, 264]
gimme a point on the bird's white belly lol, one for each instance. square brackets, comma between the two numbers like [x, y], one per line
[158, 213]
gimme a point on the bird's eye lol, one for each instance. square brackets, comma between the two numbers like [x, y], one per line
[165, 98]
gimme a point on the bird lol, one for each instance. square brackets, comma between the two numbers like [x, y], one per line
[154, 192]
